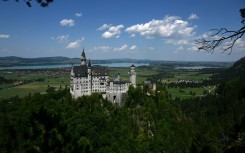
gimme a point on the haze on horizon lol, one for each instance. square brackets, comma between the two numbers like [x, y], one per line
[157, 30]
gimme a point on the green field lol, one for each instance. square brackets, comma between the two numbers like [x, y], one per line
[55, 80]
[21, 90]
[188, 92]
[61, 79]
[142, 73]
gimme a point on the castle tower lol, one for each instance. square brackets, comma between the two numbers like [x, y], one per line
[133, 76]
[89, 78]
[83, 58]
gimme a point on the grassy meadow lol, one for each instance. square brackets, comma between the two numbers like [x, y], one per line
[29, 80]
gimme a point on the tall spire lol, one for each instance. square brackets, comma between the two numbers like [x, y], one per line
[83, 58]
[83, 53]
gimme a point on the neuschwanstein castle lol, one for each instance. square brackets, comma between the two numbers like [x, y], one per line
[86, 80]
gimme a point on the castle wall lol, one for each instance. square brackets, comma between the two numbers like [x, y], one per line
[116, 92]
[88, 80]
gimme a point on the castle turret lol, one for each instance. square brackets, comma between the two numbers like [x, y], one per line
[133, 76]
[89, 67]
[89, 78]
[83, 58]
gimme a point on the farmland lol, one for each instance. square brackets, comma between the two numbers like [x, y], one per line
[182, 83]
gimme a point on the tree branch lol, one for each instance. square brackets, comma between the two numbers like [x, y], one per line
[42, 3]
[218, 37]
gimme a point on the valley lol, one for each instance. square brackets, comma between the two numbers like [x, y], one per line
[180, 82]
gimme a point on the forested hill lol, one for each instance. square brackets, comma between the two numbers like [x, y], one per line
[220, 118]
[237, 70]
[54, 122]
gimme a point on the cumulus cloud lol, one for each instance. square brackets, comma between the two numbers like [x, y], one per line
[193, 16]
[3, 36]
[61, 39]
[133, 47]
[67, 22]
[193, 47]
[170, 28]
[104, 26]
[240, 43]
[113, 31]
[123, 47]
[238, 46]
[79, 14]
[75, 44]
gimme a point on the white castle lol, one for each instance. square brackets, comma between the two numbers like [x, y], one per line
[86, 80]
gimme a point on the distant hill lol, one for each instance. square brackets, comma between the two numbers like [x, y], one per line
[19, 61]
[13, 60]
[237, 70]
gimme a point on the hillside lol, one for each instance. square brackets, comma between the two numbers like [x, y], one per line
[236, 70]
[54, 122]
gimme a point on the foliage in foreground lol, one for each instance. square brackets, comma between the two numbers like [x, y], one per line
[54, 122]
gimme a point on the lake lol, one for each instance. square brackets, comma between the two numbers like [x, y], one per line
[194, 67]
[69, 65]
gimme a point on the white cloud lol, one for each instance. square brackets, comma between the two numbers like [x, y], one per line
[67, 22]
[240, 43]
[177, 42]
[193, 47]
[123, 47]
[102, 48]
[109, 49]
[104, 26]
[79, 14]
[61, 39]
[133, 47]
[113, 31]
[132, 35]
[238, 46]
[193, 16]
[180, 48]
[150, 48]
[3, 36]
[75, 44]
[169, 28]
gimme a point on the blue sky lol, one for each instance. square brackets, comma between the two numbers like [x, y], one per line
[107, 29]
